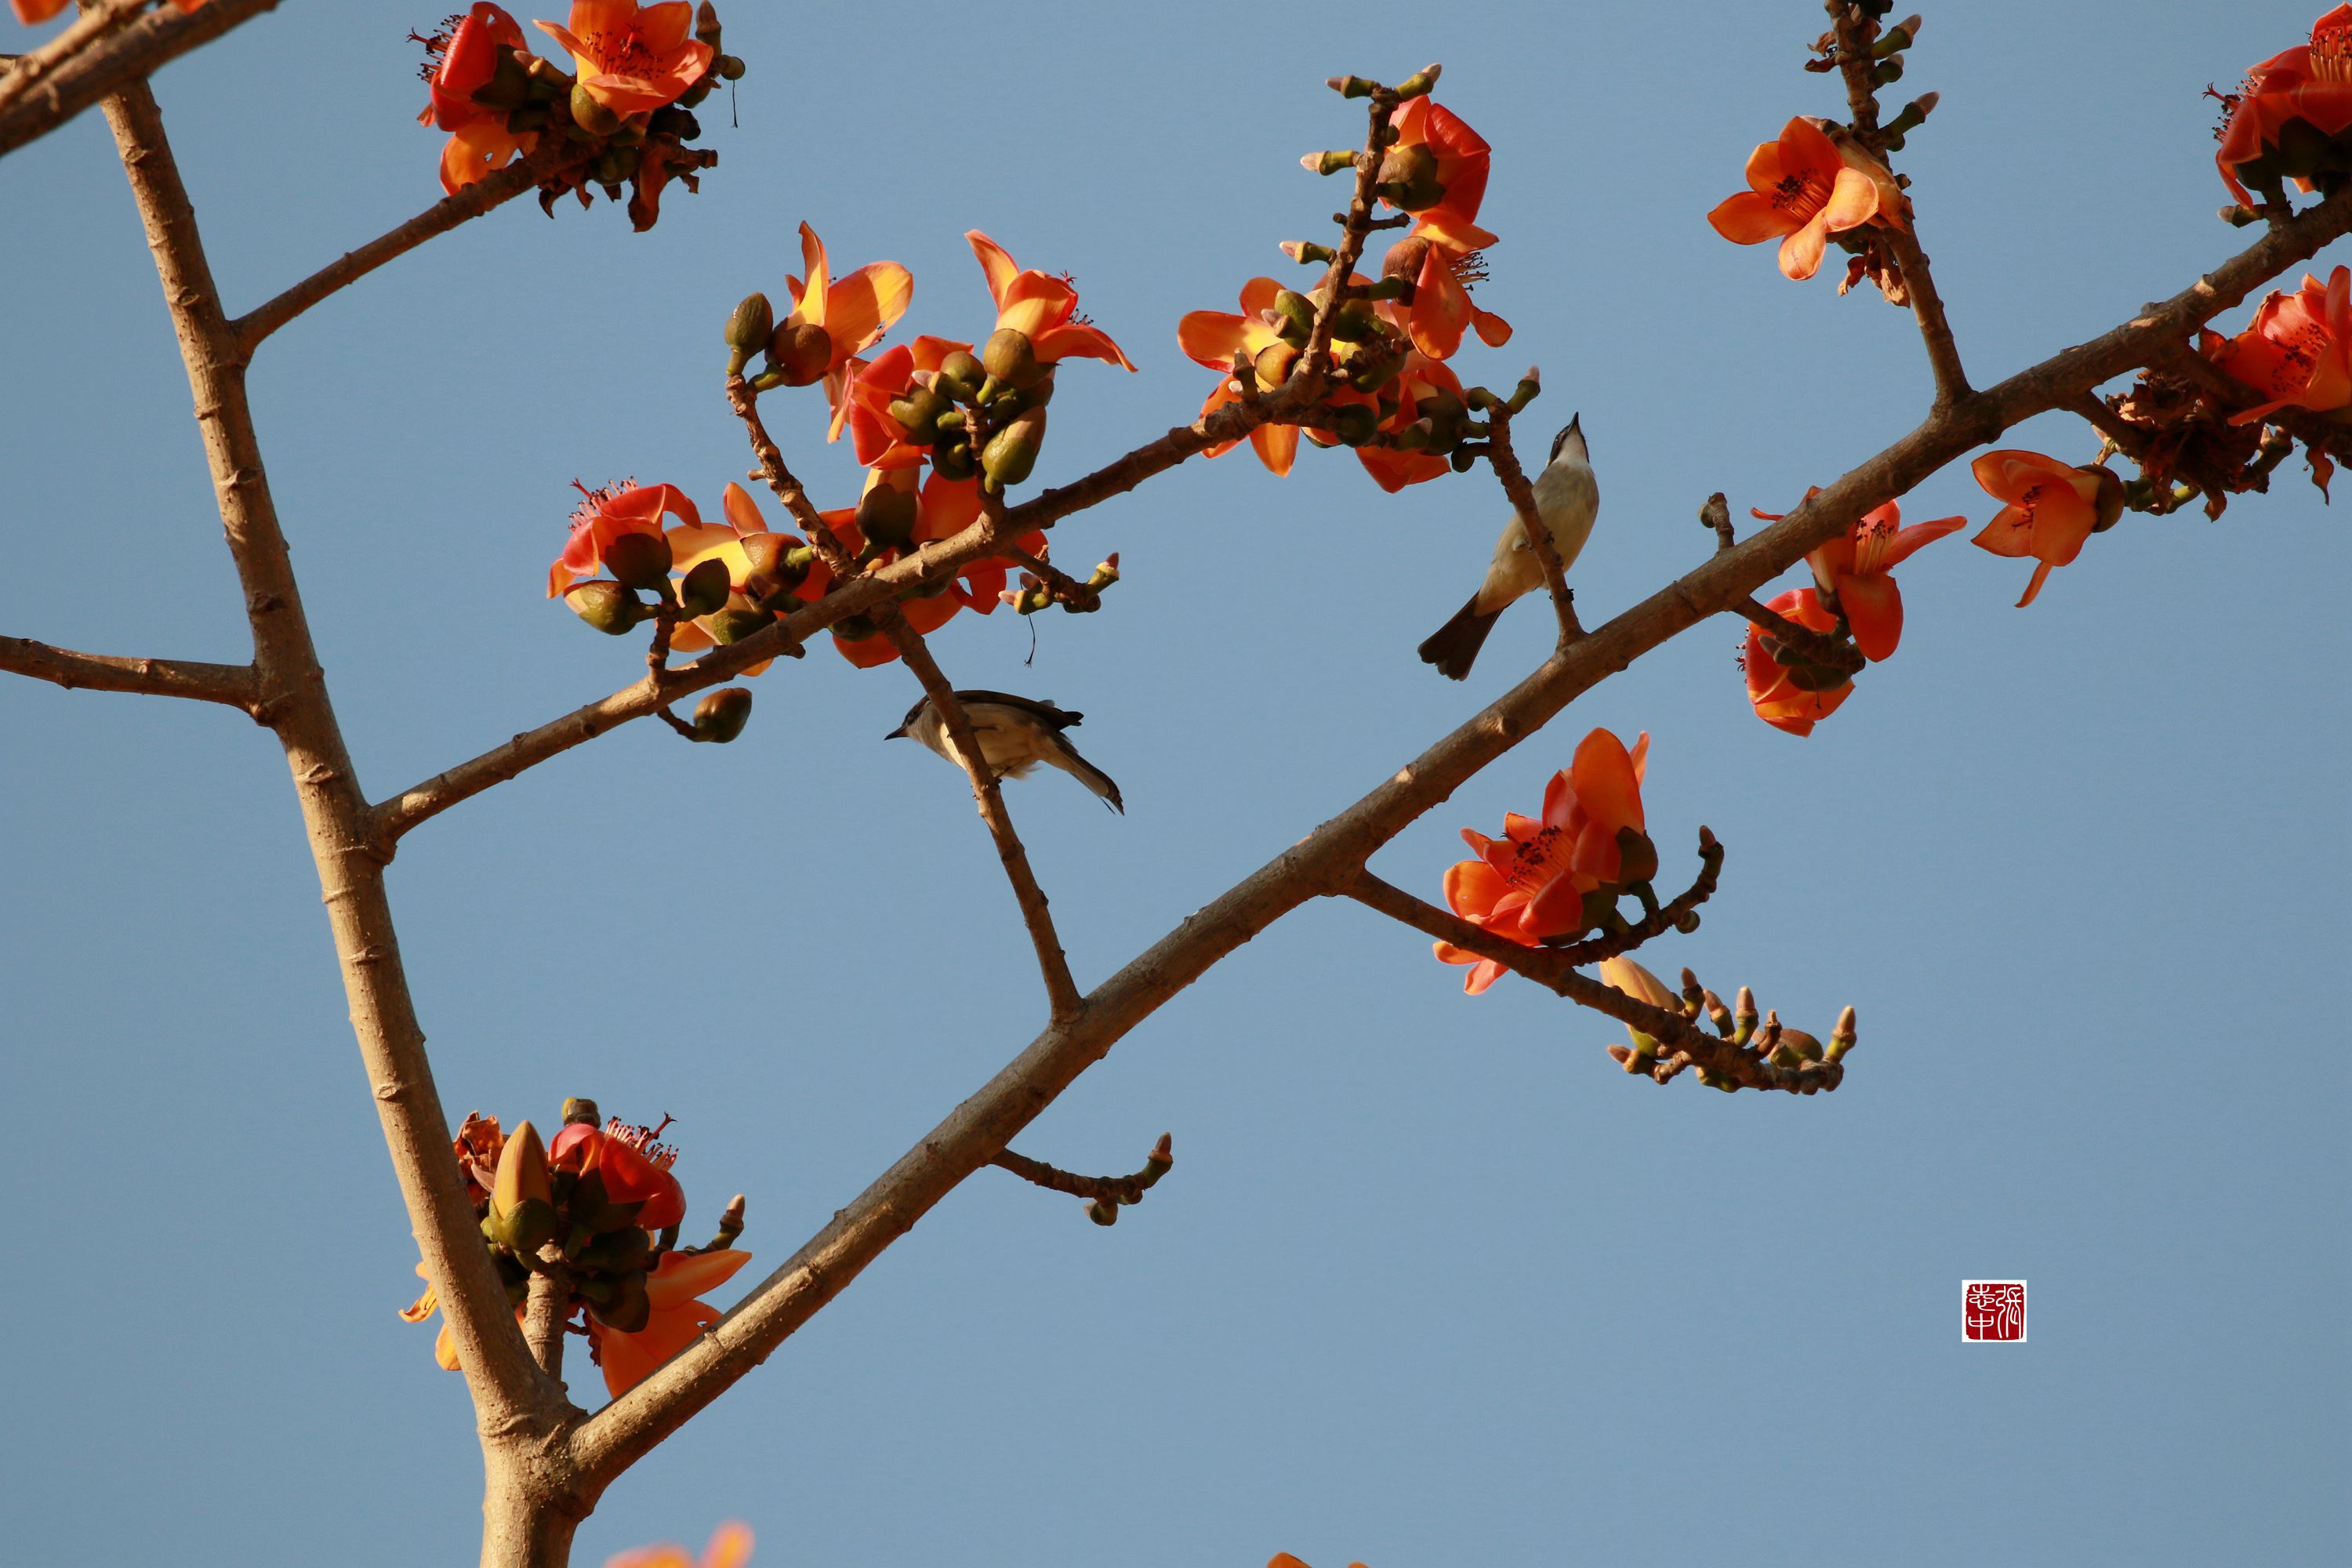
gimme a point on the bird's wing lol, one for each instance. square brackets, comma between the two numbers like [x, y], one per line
[1045, 712]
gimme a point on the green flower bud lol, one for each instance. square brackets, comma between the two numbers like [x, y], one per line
[606, 605]
[960, 374]
[704, 588]
[1011, 452]
[801, 351]
[1103, 1213]
[625, 1306]
[624, 1251]
[1010, 358]
[730, 68]
[720, 716]
[749, 329]
[1297, 313]
[738, 620]
[887, 515]
[1637, 858]
[1355, 424]
[1274, 362]
[1354, 321]
[640, 561]
[953, 460]
[592, 116]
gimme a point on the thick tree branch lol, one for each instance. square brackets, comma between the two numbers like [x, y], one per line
[232, 684]
[97, 20]
[510, 1394]
[353, 265]
[125, 56]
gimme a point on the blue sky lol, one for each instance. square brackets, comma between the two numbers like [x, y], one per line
[1432, 1283]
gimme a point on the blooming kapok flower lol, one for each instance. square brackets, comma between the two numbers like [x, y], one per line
[943, 508]
[691, 544]
[1529, 886]
[479, 143]
[676, 1321]
[1443, 258]
[1776, 693]
[879, 440]
[2298, 352]
[1855, 570]
[1422, 384]
[1211, 338]
[630, 60]
[2052, 509]
[1043, 309]
[730, 1547]
[606, 514]
[633, 1168]
[1804, 188]
[835, 320]
[1436, 151]
[2311, 83]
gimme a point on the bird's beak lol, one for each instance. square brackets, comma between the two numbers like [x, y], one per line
[1575, 423]
[897, 733]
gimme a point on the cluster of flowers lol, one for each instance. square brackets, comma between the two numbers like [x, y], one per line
[624, 115]
[606, 1198]
[935, 425]
[2291, 118]
[1551, 878]
[1394, 398]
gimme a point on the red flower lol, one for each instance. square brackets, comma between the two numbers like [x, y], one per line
[1041, 309]
[2298, 352]
[633, 1167]
[676, 1321]
[2311, 83]
[2052, 509]
[605, 516]
[1804, 188]
[1529, 884]
[881, 441]
[629, 60]
[1211, 338]
[1437, 164]
[1855, 571]
[941, 508]
[1785, 698]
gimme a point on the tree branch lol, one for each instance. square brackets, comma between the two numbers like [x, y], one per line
[232, 684]
[1106, 1192]
[96, 20]
[510, 1394]
[1053, 964]
[130, 54]
[1505, 464]
[439, 218]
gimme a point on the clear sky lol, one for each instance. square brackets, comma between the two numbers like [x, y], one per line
[1432, 1282]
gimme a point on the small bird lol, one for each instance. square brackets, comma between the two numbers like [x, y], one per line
[1567, 498]
[1016, 733]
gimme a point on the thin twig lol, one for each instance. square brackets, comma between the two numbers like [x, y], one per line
[232, 684]
[1717, 514]
[1505, 464]
[1053, 964]
[1719, 1056]
[1106, 1189]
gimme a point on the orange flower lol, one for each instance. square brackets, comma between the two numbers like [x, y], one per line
[691, 544]
[2052, 509]
[1855, 570]
[2297, 352]
[470, 55]
[832, 322]
[730, 1547]
[2310, 84]
[1804, 188]
[881, 441]
[1529, 884]
[1785, 698]
[1437, 164]
[605, 516]
[633, 1167]
[632, 62]
[1423, 388]
[941, 508]
[1443, 258]
[676, 1321]
[1041, 308]
[1212, 337]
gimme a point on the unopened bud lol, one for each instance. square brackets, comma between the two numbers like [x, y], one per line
[1274, 363]
[918, 412]
[591, 115]
[1161, 1160]
[1295, 315]
[730, 68]
[1421, 83]
[1842, 1038]
[1354, 321]
[749, 329]
[703, 589]
[1743, 1012]
[522, 1169]
[1106, 573]
[1013, 451]
[1351, 85]
[738, 620]
[720, 716]
[606, 605]
[960, 374]
[1329, 162]
[640, 561]
[1305, 252]
[887, 515]
[1637, 856]
[2107, 504]
[801, 351]
[1103, 1213]
[625, 1307]
[1010, 357]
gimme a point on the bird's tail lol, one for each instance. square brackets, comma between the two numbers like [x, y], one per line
[1066, 757]
[1453, 646]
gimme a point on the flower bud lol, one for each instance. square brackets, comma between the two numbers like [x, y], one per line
[625, 1306]
[1421, 83]
[1011, 452]
[606, 605]
[1355, 424]
[1329, 162]
[522, 1169]
[730, 68]
[738, 620]
[887, 515]
[1637, 856]
[2108, 504]
[704, 589]
[1274, 363]
[1297, 313]
[1408, 178]
[953, 460]
[1354, 321]
[960, 374]
[1103, 1213]
[776, 565]
[801, 352]
[1010, 358]
[591, 115]
[640, 561]
[918, 412]
[750, 328]
[720, 716]
[1842, 1038]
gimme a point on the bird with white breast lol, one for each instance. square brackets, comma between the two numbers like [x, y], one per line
[1016, 733]
[1567, 497]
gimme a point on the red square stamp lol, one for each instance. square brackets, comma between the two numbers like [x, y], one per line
[1992, 1310]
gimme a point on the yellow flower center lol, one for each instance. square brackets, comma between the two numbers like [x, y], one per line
[621, 52]
[2331, 53]
[1537, 861]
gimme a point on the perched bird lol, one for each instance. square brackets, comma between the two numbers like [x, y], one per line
[1016, 733]
[1567, 498]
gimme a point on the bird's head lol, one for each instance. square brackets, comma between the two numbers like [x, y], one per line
[907, 725]
[1570, 442]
